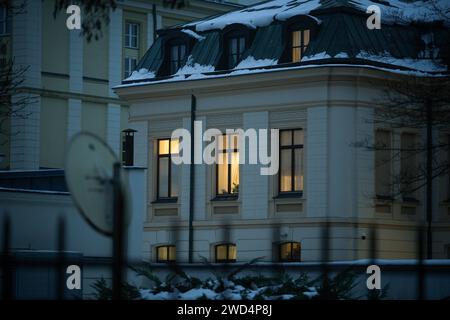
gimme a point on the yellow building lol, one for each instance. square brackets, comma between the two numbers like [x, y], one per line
[69, 79]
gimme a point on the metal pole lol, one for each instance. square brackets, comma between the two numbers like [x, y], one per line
[61, 258]
[192, 182]
[8, 284]
[429, 203]
[118, 234]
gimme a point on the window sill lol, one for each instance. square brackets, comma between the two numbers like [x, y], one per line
[225, 198]
[289, 195]
[165, 200]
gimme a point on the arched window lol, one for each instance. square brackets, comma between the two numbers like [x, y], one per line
[177, 55]
[299, 32]
[289, 251]
[298, 44]
[225, 252]
[166, 253]
[237, 39]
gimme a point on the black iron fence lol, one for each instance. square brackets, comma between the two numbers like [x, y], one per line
[11, 262]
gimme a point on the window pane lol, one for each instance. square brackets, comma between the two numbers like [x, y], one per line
[222, 142]
[408, 164]
[298, 137]
[383, 163]
[296, 38]
[134, 42]
[285, 172]
[222, 175]
[286, 138]
[296, 55]
[172, 253]
[305, 37]
[298, 170]
[127, 40]
[174, 53]
[235, 172]
[182, 52]
[295, 251]
[241, 45]
[163, 174]
[221, 252]
[233, 46]
[232, 252]
[135, 29]
[174, 146]
[162, 253]
[285, 251]
[164, 146]
[174, 177]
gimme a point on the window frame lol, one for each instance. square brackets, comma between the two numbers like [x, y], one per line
[128, 65]
[291, 147]
[167, 247]
[169, 173]
[181, 62]
[239, 54]
[229, 193]
[291, 258]
[388, 165]
[129, 33]
[227, 260]
[302, 45]
[5, 29]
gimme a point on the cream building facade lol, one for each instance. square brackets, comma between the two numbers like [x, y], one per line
[69, 79]
[325, 101]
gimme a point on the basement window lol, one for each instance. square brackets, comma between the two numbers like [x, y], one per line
[166, 253]
[290, 252]
[225, 252]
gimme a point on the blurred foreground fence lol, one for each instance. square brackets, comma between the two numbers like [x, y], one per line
[38, 274]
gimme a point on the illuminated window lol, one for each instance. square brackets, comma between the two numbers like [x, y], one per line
[227, 173]
[383, 164]
[131, 35]
[299, 43]
[226, 252]
[165, 254]
[291, 161]
[290, 251]
[168, 172]
[177, 56]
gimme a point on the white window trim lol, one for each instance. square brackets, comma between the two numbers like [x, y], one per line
[130, 36]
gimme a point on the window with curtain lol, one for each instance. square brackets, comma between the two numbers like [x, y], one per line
[289, 251]
[299, 43]
[167, 172]
[383, 179]
[291, 161]
[225, 252]
[166, 253]
[227, 168]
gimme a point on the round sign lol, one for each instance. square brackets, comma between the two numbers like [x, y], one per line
[89, 172]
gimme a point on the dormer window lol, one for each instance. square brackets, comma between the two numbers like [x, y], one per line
[177, 57]
[299, 43]
[236, 48]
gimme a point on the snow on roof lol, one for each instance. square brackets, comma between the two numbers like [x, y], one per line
[247, 71]
[263, 14]
[258, 15]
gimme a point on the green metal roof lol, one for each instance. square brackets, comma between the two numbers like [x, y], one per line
[341, 29]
